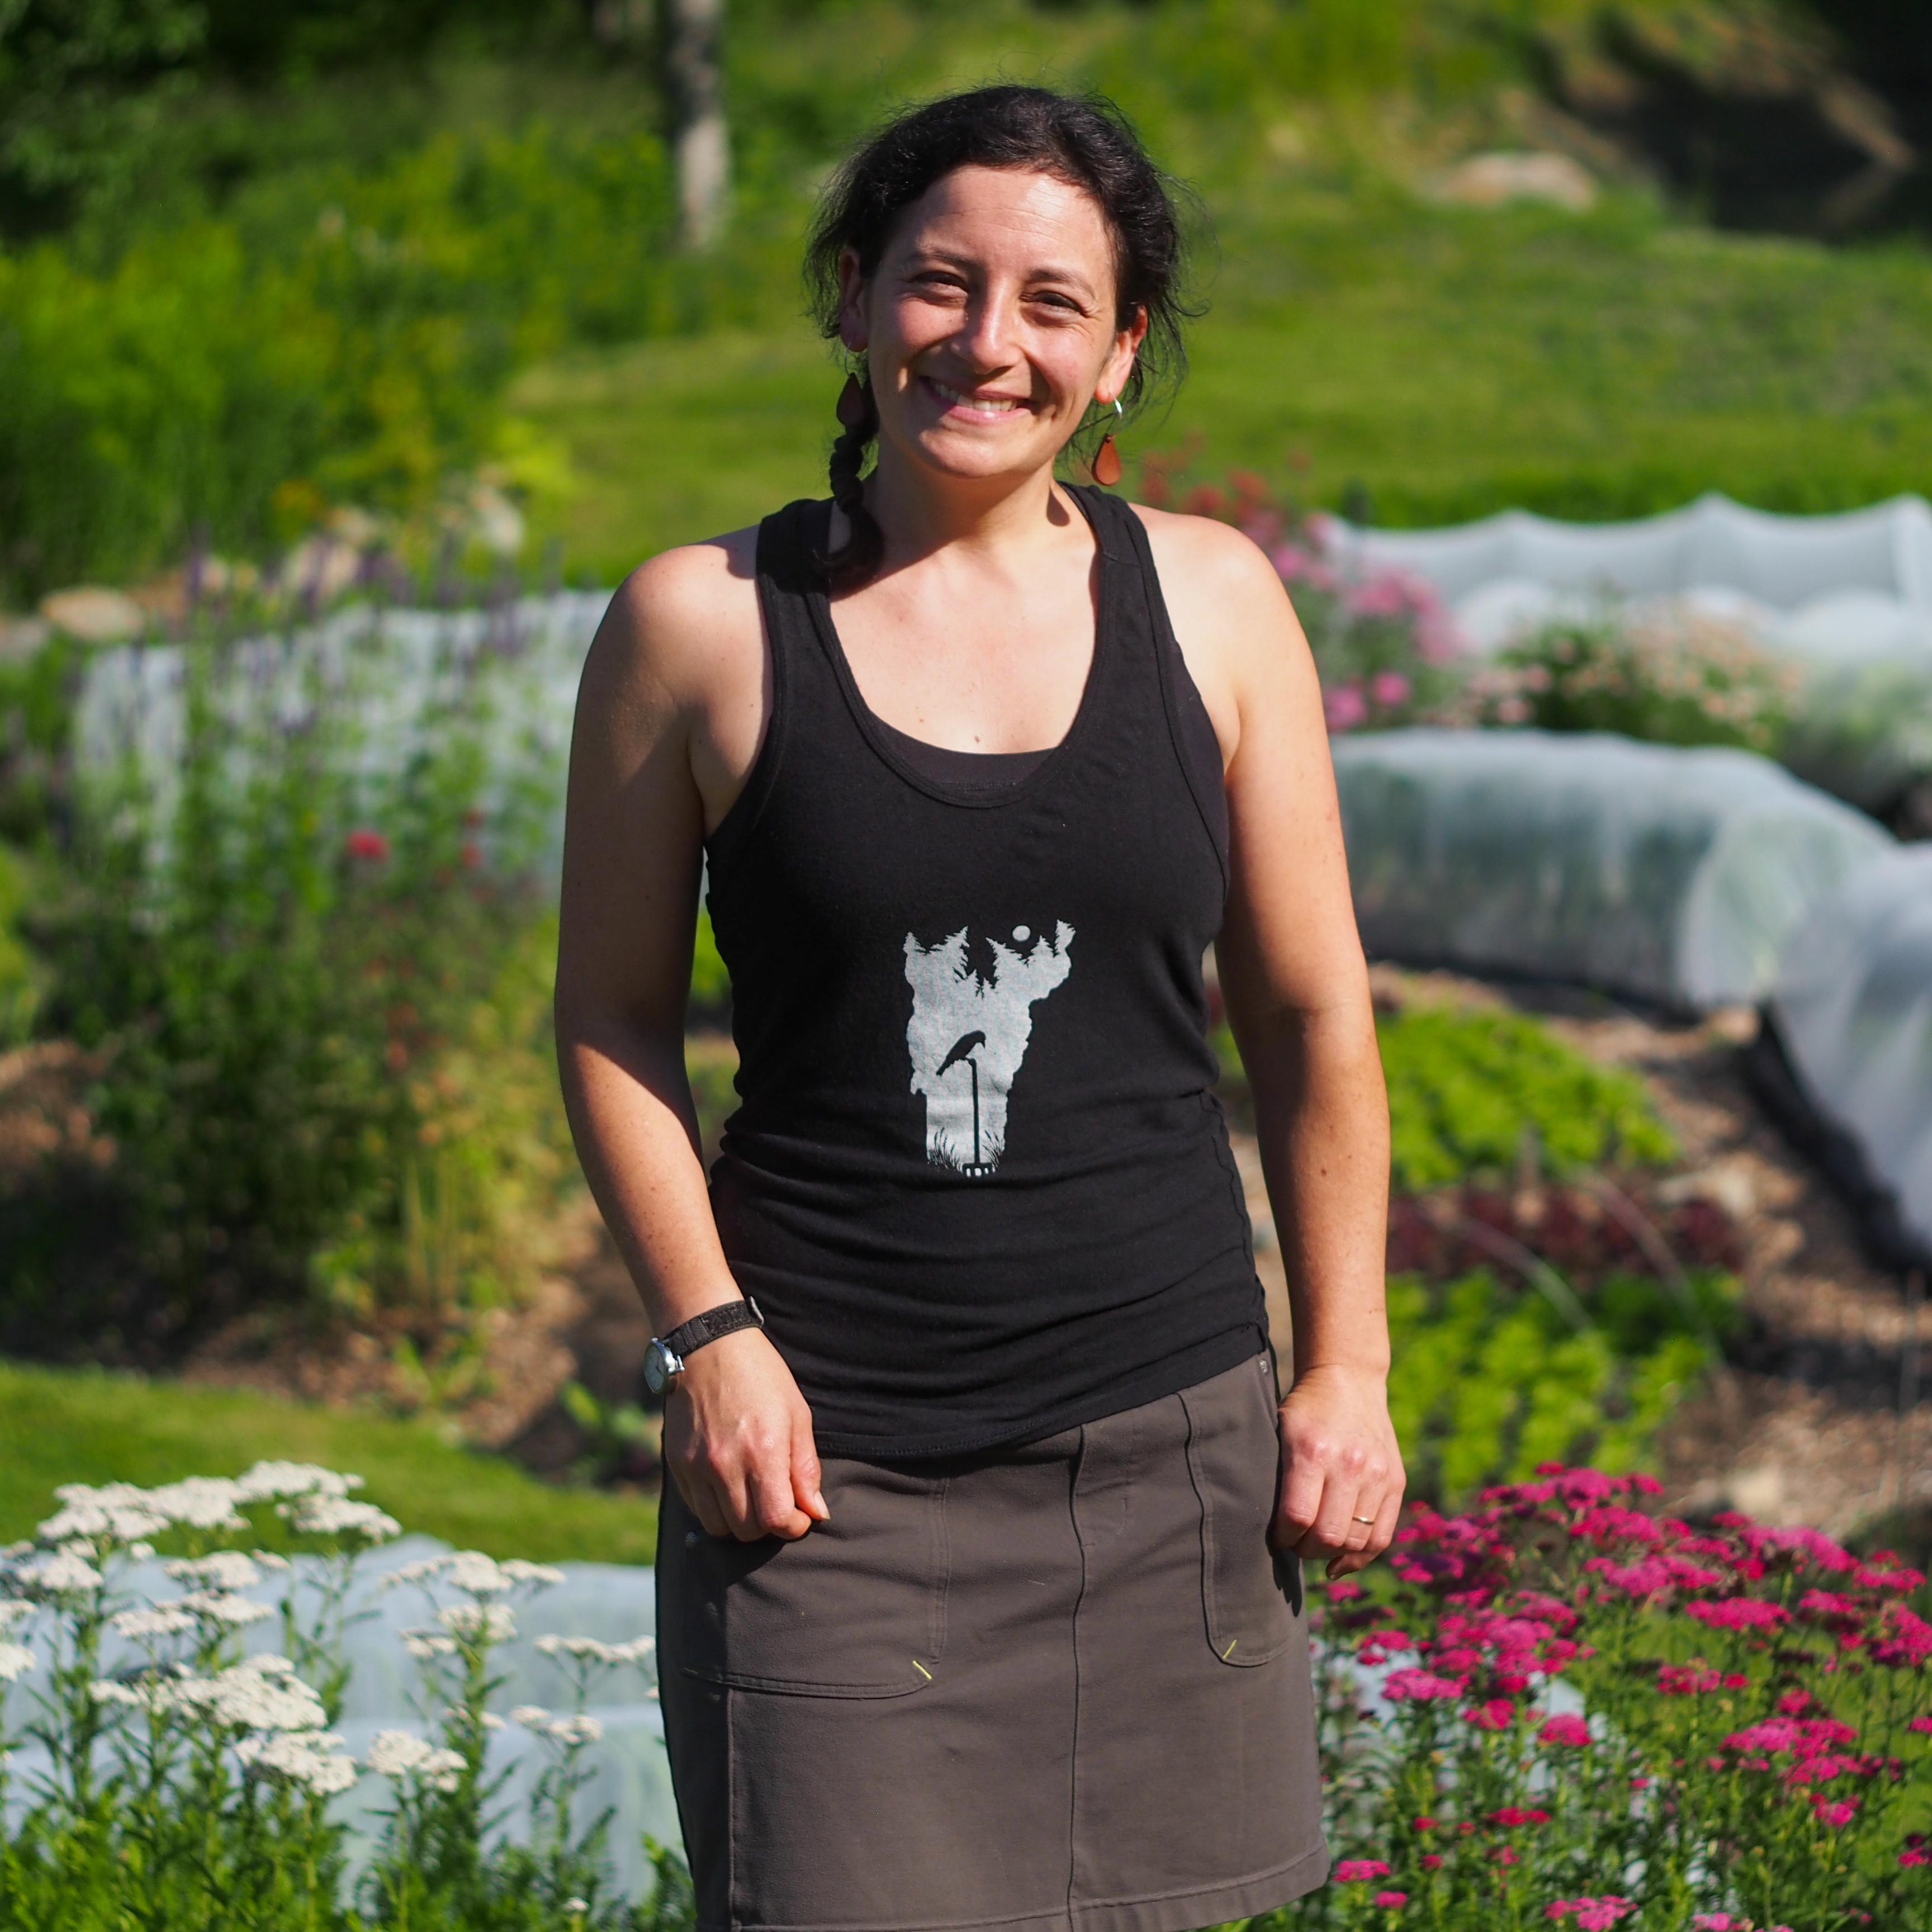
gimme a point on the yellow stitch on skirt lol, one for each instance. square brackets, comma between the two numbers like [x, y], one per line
[1230, 1651]
[922, 1669]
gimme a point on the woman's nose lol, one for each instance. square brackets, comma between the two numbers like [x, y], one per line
[986, 335]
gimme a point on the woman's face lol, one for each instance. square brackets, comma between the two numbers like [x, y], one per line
[990, 325]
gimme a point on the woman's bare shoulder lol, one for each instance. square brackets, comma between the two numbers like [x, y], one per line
[1197, 554]
[683, 619]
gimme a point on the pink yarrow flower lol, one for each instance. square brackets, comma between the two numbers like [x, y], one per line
[1420, 1687]
[1359, 1871]
[1592, 1915]
[1392, 1901]
[1739, 1613]
[367, 844]
[1389, 688]
[1344, 708]
[1565, 1730]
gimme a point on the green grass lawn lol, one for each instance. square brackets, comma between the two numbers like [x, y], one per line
[1451, 363]
[95, 1425]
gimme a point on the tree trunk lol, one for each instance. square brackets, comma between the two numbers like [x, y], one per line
[700, 142]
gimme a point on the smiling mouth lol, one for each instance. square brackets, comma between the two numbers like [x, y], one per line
[980, 406]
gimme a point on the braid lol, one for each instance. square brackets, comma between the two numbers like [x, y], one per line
[855, 562]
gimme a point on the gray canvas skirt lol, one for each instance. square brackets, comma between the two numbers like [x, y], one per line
[1064, 1687]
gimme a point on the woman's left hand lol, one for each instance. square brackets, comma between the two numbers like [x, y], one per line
[1339, 1462]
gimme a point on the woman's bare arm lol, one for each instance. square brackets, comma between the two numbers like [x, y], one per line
[1298, 997]
[668, 716]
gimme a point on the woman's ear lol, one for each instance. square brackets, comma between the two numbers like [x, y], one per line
[1120, 363]
[852, 330]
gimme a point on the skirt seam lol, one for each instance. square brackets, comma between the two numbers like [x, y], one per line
[1318, 1850]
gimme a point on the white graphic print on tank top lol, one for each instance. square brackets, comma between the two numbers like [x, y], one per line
[969, 1035]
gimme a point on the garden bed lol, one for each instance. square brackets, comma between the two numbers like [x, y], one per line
[1799, 1426]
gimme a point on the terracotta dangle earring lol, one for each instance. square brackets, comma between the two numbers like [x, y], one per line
[854, 406]
[1107, 457]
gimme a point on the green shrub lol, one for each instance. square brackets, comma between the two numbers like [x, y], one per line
[20, 974]
[1690, 681]
[324, 1001]
[341, 339]
[1473, 1092]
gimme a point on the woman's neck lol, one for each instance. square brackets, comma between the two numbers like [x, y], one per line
[921, 512]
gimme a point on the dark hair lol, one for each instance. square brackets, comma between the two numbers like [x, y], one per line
[1086, 142]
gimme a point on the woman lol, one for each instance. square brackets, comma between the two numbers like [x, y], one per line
[967, 1611]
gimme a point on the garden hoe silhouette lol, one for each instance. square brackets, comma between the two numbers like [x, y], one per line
[962, 1049]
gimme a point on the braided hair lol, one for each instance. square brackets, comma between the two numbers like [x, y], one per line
[1086, 142]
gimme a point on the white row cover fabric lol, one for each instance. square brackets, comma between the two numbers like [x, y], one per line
[1787, 563]
[613, 1602]
[1675, 876]
[390, 668]
[1853, 1004]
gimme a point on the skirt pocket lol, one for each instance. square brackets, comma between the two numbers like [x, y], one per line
[855, 1608]
[1252, 1597]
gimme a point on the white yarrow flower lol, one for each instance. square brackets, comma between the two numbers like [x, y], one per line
[102, 1521]
[55, 1573]
[271, 1559]
[247, 1698]
[315, 1759]
[482, 1623]
[520, 1571]
[397, 1753]
[634, 1651]
[423, 1643]
[265, 1479]
[16, 1661]
[490, 1720]
[226, 1570]
[531, 1717]
[220, 1606]
[581, 1729]
[151, 1620]
[339, 1515]
[15, 1610]
[422, 1570]
[199, 1502]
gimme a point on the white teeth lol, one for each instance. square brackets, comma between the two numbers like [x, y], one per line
[984, 405]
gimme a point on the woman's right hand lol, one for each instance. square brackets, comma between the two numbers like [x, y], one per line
[738, 1441]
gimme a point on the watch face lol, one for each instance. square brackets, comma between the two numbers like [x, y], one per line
[660, 1365]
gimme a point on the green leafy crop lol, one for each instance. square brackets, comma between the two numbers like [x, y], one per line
[1489, 1380]
[1469, 1091]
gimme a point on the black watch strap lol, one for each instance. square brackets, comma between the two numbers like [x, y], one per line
[726, 1319]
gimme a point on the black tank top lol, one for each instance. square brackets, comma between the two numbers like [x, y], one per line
[979, 1180]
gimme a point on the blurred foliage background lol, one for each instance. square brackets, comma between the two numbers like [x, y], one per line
[259, 263]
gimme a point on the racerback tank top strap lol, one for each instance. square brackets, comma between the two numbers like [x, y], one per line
[978, 1180]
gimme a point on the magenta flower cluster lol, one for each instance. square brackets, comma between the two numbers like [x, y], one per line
[1563, 1705]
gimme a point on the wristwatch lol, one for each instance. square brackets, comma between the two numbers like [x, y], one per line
[665, 1357]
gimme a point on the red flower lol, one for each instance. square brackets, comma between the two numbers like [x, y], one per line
[367, 844]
